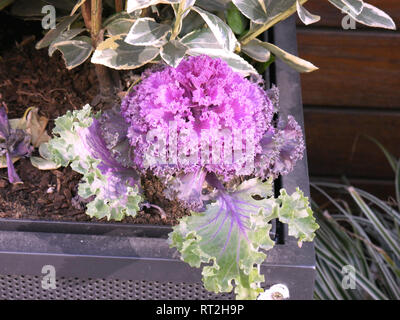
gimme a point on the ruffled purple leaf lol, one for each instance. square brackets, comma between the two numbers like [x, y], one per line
[201, 101]
[119, 177]
[12, 174]
[281, 147]
[14, 143]
[114, 131]
[187, 187]
[4, 125]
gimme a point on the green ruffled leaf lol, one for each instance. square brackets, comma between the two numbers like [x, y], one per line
[67, 148]
[229, 235]
[295, 211]
[102, 206]
[227, 238]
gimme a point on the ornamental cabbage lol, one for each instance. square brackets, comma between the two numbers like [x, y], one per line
[212, 136]
[204, 117]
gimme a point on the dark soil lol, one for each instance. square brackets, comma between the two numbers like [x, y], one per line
[29, 78]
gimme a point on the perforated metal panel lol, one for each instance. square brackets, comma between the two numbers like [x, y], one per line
[29, 288]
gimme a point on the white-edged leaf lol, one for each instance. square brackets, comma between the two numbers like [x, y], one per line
[119, 26]
[221, 30]
[44, 151]
[77, 6]
[202, 38]
[118, 15]
[354, 5]
[133, 5]
[252, 9]
[52, 34]
[214, 5]
[186, 9]
[173, 52]
[117, 54]
[370, 15]
[236, 62]
[66, 35]
[147, 32]
[44, 164]
[191, 23]
[291, 60]
[277, 7]
[305, 16]
[256, 51]
[76, 51]
[262, 4]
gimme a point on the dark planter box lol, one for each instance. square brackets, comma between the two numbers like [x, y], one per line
[121, 261]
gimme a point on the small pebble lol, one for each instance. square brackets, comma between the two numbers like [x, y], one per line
[50, 189]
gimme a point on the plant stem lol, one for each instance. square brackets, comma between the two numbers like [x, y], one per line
[119, 6]
[282, 16]
[96, 10]
[178, 20]
[86, 13]
[103, 74]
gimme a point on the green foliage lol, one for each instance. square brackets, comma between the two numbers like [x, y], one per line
[363, 233]
[131, 31]
[67, 148]
[231, 233]
[236, 20]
